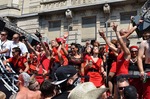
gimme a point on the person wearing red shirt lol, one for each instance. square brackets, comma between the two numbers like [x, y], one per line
[124, 53]
[60, 53]
[124, 56]
[43, 60]
[18, 63]
[94, 68]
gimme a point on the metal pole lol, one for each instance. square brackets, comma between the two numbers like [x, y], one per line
[106, 23]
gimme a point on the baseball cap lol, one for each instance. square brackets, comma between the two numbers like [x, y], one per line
[63, 73]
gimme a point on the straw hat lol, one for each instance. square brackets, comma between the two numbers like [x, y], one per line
[2, 95]
[86, 90]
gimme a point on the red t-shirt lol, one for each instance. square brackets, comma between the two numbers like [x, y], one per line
[44, 64]
[63, 56]
[122, 65]
[18, 62]
[113, 67]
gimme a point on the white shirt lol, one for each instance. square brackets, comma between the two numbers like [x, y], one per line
[5, 45]
[21, 45]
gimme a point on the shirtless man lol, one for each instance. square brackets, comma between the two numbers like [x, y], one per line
[24, 92]
[144, 50]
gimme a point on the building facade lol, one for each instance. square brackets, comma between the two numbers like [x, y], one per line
[82, 18]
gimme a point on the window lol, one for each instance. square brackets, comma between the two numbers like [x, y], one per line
[88, 20]
[54, 24]
[125, 16]
[88, 28]
[54, 29]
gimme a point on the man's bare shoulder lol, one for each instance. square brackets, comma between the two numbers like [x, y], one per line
[28, 94]
[34, 94]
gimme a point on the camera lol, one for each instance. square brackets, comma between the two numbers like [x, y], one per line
[60, 40]
[38, 34]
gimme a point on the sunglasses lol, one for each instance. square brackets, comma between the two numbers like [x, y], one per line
[3, 34]
[13, 52]
[121, 88]
[72, 48]
[134, 51]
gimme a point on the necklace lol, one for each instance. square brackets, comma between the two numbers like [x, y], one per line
[133, 60]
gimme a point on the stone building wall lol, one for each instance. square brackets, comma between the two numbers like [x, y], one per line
[48, 16]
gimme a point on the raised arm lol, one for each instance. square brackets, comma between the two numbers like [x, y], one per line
[121, 42]
[131, 28]
[64, 49]
[26, 66]
[31, 48]
[47, 52]
[140, 58]
[130, 31]
[111, 46]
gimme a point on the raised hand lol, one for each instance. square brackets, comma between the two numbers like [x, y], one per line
[44, 72]
[114, 27]
[38, 34]
[101, 33]
[66, 34]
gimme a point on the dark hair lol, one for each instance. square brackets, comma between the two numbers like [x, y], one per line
[127, 41]
[122, 79]
[130, 92]
[114, 41]
[76, 46]
[93, 49]
[5, 32]
[47, 88]
[17, 49]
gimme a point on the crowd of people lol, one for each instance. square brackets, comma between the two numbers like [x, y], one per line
[57, 70]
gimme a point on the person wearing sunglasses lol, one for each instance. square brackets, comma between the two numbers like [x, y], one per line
[122, 83]
[4, 44]
[18, 63]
